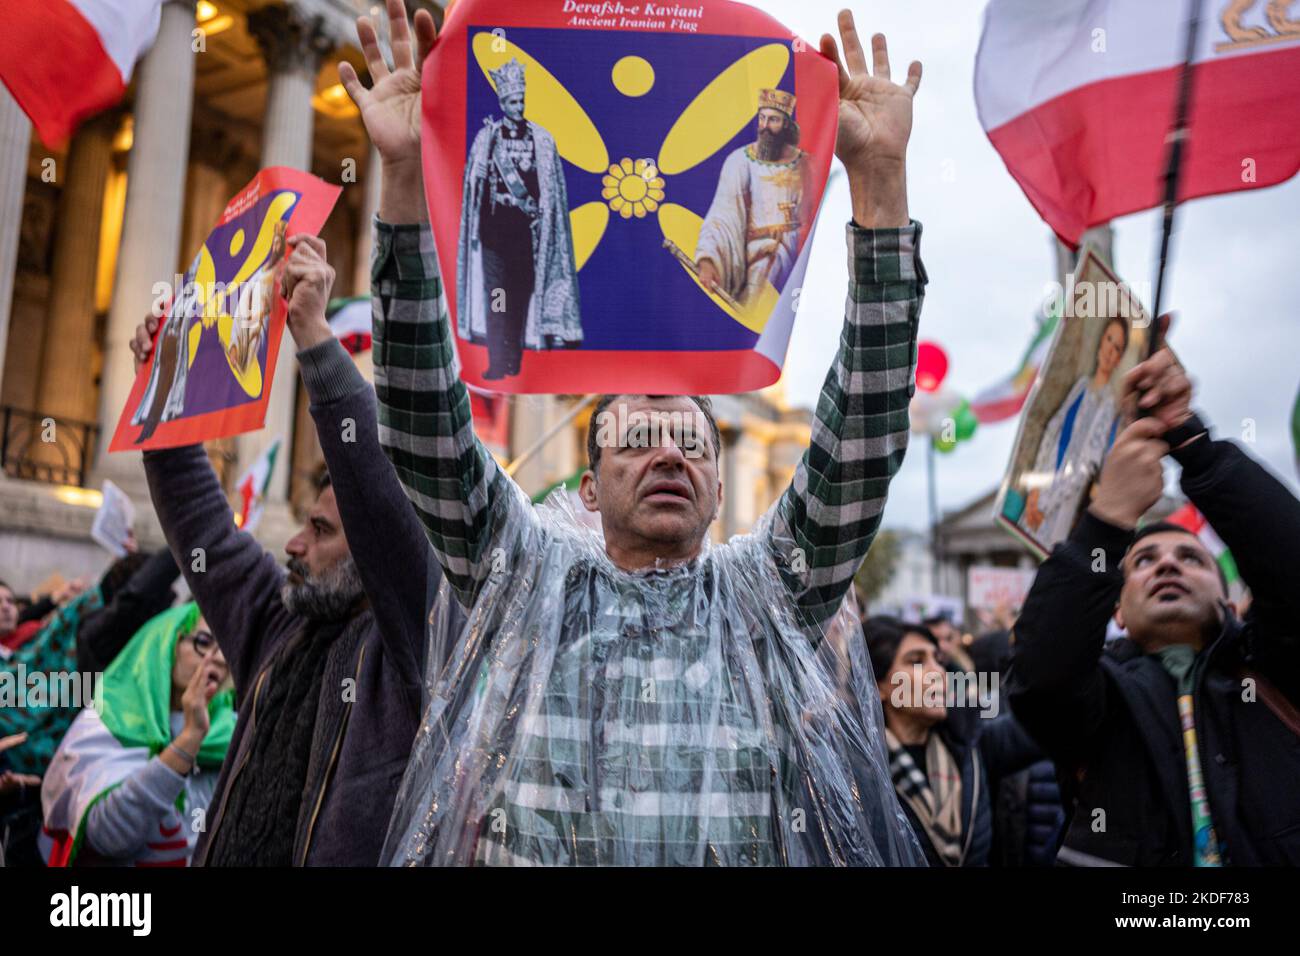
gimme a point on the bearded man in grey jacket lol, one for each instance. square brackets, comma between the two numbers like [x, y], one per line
[327, 652]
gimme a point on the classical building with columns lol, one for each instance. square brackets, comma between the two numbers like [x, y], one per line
[228, 87]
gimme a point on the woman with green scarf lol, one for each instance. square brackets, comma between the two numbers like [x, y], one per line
[131, 782]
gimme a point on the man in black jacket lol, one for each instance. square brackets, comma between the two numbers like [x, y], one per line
[1179, 743]
[328, 659]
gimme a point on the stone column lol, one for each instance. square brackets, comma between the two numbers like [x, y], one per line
[151, 225]
[365, 226]
[208, 187]
[292, 45]
[751, 487]
[15, 137]
[727, 527]
[66, 389]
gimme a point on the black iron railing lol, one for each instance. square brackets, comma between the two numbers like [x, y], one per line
[39, 447]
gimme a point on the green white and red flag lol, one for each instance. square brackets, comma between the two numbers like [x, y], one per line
[1004, 399]
[1190, 518]
[252, 487]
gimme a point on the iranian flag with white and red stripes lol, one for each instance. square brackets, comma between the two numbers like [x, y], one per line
[65, 60]
[1078, 97]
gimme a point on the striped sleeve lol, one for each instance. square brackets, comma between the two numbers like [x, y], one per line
[825, 521]
[465, 501]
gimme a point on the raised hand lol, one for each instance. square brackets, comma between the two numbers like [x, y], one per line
[202, 687]
[875, 123]
[306, 282]
[1160, 387]
[142, 341]
[1132, 478]
[390, 109]
[199, 691]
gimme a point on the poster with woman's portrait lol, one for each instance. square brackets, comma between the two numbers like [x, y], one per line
[1073, 414]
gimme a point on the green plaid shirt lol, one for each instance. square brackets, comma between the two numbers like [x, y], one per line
[637, 786]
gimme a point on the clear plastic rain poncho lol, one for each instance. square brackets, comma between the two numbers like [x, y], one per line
[587, 715]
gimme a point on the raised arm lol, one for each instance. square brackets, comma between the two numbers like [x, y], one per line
[827, 518]
[1257, 517]
[465, 502]
[226, 569]
[1055, 685]
[381, 526]
[1259, 520]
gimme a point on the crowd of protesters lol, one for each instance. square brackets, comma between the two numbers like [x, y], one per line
[271, 718]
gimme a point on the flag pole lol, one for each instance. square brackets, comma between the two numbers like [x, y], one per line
[1177, 140]
[527, 454]
[937, 573]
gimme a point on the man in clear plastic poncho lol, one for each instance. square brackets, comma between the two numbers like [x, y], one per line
[644, 697]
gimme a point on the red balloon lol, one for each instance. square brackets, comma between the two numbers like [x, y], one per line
[931, 366]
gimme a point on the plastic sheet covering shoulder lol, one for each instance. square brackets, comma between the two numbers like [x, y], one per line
[586, 715]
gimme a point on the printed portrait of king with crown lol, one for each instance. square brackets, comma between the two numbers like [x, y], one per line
[758, 220]
[516, 277]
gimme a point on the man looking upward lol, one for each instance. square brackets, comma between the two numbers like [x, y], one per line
[645, 698]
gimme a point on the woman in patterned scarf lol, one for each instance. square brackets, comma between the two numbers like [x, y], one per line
[132, 780]
[941, 753]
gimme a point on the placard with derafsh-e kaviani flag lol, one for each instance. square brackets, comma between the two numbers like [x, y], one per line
[623, 196]
[211, 369]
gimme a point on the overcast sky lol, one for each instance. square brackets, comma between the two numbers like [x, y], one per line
[1235, 281]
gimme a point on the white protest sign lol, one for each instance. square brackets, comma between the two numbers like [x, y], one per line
[990, 587]
[113, 521]
[923, 607]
